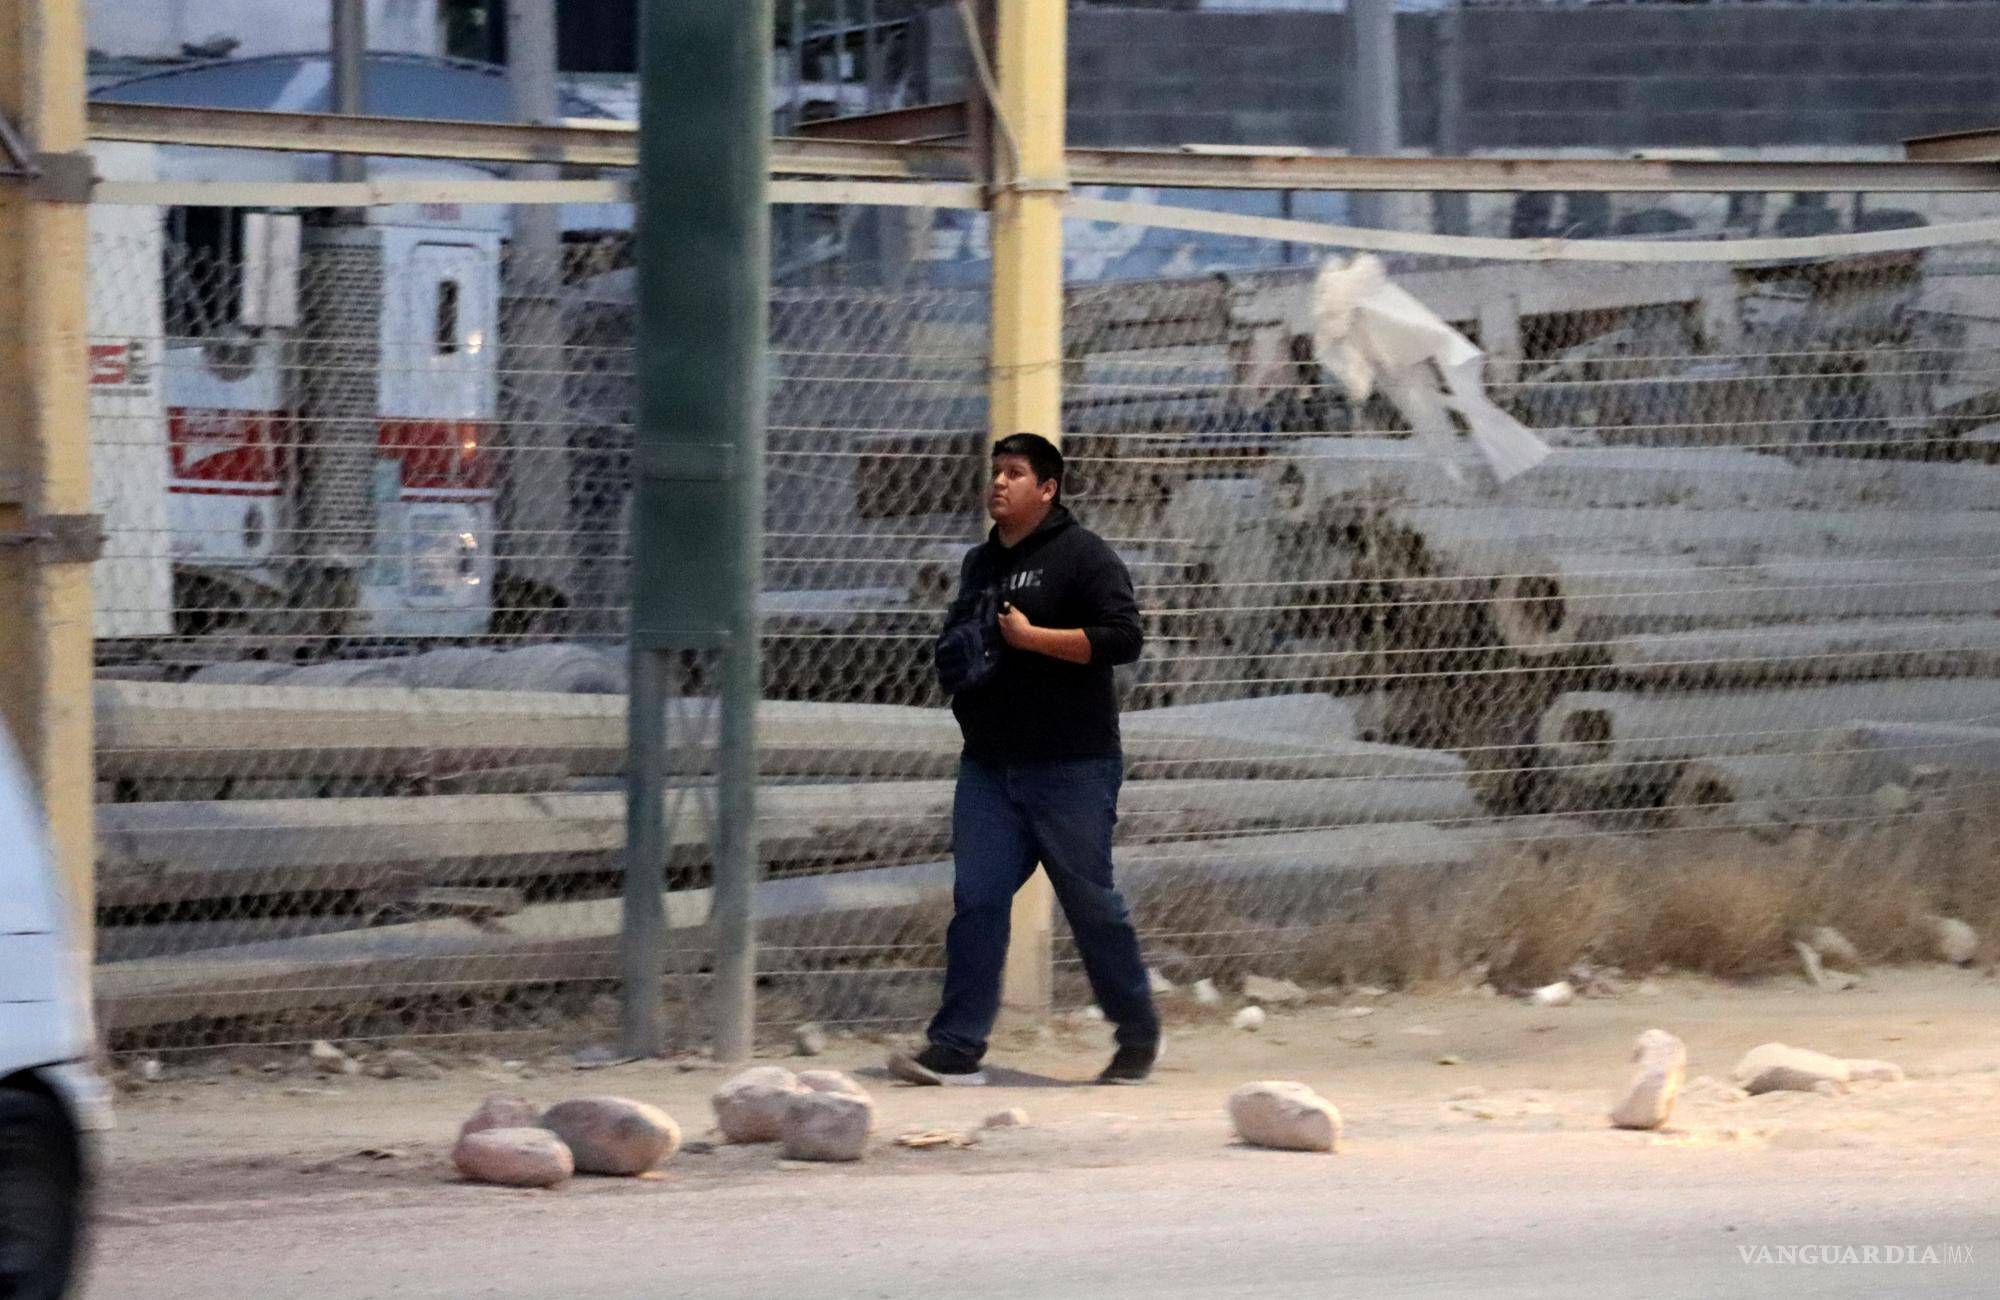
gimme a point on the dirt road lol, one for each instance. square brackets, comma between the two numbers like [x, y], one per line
[230, 1186]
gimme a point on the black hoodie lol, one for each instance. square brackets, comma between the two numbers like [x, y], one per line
[1036, 708]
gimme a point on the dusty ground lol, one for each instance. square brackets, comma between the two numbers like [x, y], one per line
[253, 1185]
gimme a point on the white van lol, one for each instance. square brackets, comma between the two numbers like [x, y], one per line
[50, 1099]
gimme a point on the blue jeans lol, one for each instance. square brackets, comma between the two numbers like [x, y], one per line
[1005, 818]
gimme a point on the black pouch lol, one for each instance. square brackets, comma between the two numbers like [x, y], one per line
[968, 651]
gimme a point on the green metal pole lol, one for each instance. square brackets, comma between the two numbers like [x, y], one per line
[703, 273]
[642, 938]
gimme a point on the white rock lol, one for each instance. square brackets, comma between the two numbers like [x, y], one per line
[1014, 1117]
[1774, 1067]
[1954, 940]
[613, 1135]
[827, 1126]
[1892, 799]
[1356, 1013]
[1834, 948]
[751, 1107]
[328, 1059]
[1648, 989]
[1832, 981]
[513, 1157]
[1158, 983]
[1272, 993]
[831, 1081]
[1649, 1097]
[151, 1070]
[808, 1040]
[1370, 991]
[1286, 1116]
[1864, 1071]
[1559, 994]
[1094, 1014]
[500, 1110]
[1207, 994]
[1250, 1018]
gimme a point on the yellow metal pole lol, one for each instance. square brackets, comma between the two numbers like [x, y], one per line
[1025, 388]
[45, 527]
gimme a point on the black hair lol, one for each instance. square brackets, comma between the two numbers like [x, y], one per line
[1043, 456]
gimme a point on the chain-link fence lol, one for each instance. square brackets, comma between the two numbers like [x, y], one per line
[361, 614]
[1741, 616]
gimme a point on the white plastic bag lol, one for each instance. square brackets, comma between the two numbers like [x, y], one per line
[1372, 335]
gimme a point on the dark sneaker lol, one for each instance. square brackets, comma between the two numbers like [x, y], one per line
[937, 1065]
[1133, 1063]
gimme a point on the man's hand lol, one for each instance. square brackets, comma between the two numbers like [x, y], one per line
[1015, 628]
[1070, 645]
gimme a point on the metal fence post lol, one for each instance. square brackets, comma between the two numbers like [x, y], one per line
[703, 272]
[1025, 389]
[48, 535]
[535, 489]
[642, 938]
[1374, 121]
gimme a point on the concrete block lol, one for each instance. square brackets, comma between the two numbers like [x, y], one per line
[1719, 57]
[1173, 95]
[1693, 129]
[1091, 131]
[1922, 24]
[1134, 27]
[1774, 26]
[1541, 130]
[1876, 59]
[1602, 60]
[1213, 128]
[1751, 130]
[1722, 94]
[1302, 29]
[1543, 95]
[1655, 26]
[1264, 127]
[1157, 62]
[1279, 97]
[1319, 130]
[1868, 94]
[1091, 63]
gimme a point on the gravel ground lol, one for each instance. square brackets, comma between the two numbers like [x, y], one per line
[1477, 1162]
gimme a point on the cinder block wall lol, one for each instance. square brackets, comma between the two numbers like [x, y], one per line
[1532, 78]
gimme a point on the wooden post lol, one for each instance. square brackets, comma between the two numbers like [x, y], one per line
[1025, 388]
[47, 533]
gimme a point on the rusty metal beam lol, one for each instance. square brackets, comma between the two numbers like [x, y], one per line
[922, 123]
[1981, 146]
[1188, 167]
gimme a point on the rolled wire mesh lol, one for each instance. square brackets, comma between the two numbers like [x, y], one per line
[362, 611]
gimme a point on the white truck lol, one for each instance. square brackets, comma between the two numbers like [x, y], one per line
[50, 1099]
[291, 419]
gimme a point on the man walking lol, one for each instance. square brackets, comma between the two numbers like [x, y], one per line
[1039, 778]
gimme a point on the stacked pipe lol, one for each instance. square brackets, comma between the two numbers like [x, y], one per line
[252, 836]
[1647, 625]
